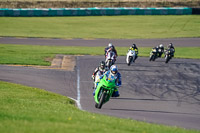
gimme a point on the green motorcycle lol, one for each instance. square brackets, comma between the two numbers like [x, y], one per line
[104, 91]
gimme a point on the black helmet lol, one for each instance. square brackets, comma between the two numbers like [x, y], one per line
[134, 45]
[102, 64]
[170, 45]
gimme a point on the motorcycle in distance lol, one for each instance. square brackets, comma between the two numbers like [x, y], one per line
[153, 54]
[110, 59]
[168, 55]
[130, 57]
[104, 91]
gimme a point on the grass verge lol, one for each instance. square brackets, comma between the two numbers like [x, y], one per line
[25, 109]
[36, 55]
[117, 27]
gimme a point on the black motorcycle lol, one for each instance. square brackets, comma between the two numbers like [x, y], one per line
[169, 53]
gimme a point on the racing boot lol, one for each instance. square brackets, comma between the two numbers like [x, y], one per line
[115, 93]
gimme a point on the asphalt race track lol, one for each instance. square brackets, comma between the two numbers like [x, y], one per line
[151, 91]
[178, 42]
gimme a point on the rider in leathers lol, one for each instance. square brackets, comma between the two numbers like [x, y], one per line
[110, 48]
[160, 50]
[113, 73]
[170, 46]
[134, 47]
[101, 68]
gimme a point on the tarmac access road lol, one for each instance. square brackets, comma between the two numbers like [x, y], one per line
[154, 92]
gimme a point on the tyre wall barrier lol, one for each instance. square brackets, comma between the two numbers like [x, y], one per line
[195, 10]
[26, 12]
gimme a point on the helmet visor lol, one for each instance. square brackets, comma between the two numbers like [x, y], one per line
[113, 72]
[102, 66]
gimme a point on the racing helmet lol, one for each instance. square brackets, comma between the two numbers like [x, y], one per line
[170, 45]
[134, 45]
[102, 64]
[113, 69]
[161, 45]
[110, 45]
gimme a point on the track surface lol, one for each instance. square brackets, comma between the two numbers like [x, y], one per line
[178, 42]
[151, 91]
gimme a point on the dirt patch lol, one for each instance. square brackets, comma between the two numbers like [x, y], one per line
[68, 63]
[64, 62]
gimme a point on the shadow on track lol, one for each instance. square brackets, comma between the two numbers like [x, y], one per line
[131, 70]
[153, 111]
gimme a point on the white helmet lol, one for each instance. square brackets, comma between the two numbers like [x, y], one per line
[113, 70]
[161, 45]
[110, 45]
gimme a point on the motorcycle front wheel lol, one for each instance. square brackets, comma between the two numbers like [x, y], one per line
[102, 99]
[109, 63]
[129, 60]
[151, 58]
[167, 59]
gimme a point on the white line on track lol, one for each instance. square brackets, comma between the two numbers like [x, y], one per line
[78, 86]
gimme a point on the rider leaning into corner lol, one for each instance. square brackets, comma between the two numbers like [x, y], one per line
[113, 73]
[101, 69]
[159, 50]
[110, 48]
[170, 46]
[134, 47]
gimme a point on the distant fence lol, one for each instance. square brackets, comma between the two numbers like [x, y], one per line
[26, 12]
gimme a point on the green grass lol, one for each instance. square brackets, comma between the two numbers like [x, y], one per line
[31, 110]
[102, 27]
[36, 55]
